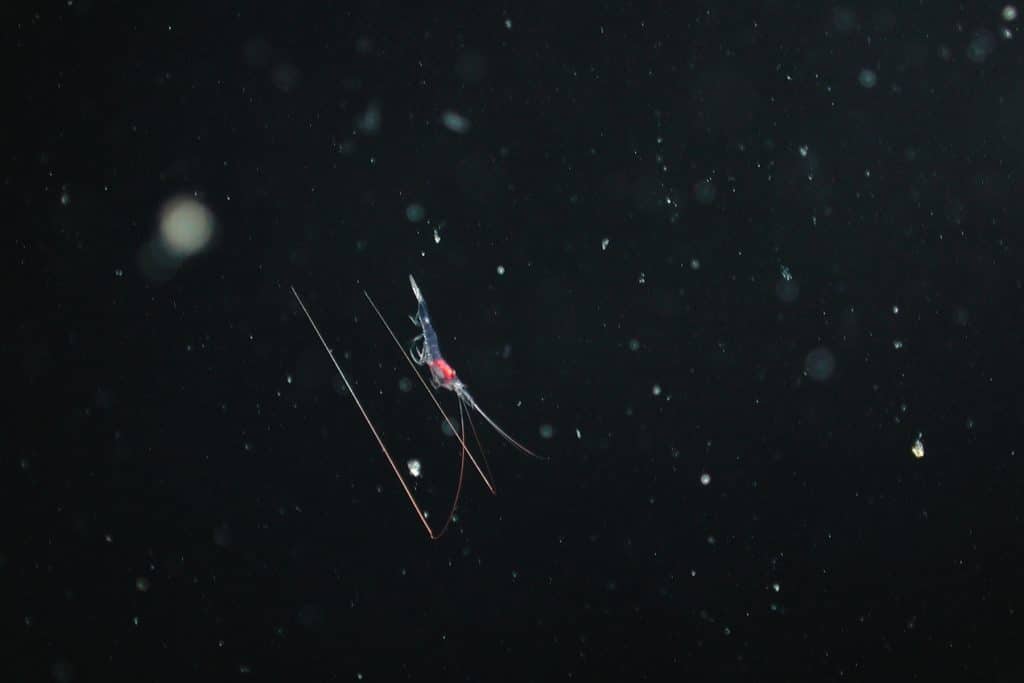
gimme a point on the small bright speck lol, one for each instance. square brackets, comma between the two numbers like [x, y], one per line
[437, 236]
[776, 587]
[119, 272]
[604, 243]
[142, 584]
[786, 274]
[546, 431]
[867, 78]
[65, 199]
[641, 279]
[501, 269]
[656, 390]
[415, 213]
[918, 449]
[508, 24]
[579, 434]
[897, 344]
[694, 264]
[414, 468]
[705, 478]
[895, 310]
[455, 122]
[634, 344]
[803, 150]
[288, 379]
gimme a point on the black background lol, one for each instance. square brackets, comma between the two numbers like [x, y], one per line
[191, 493]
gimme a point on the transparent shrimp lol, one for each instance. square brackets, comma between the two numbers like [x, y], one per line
[442, 375]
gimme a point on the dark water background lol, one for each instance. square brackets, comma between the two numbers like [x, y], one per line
[774, 244]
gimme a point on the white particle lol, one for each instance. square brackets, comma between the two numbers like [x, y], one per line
[897, 344]
[705, 478]
[508, 24]
[119, 272]
[437, 236]
[288, 379]
[414, 468]
[918, 448]
[803, 150]
[604, 243]
[1009, 13]
[656, 390]
[501, 269]
[579, 435]
[895, 310]
[642, 278]
[546, 431]
[776, 587]
[694, 264]
[786, 274]
[65, 199]
[634, 344]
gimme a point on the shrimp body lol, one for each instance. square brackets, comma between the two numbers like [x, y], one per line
[429, 353]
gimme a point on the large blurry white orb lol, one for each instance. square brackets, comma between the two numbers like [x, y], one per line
[186, 227]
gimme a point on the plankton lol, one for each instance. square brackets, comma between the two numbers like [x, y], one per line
[442, 376]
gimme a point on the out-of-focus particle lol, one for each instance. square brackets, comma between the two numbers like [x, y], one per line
[1009, 13]
[604, 243]
[918, 448]
[414, 213]
[455, 122]
[705, 478]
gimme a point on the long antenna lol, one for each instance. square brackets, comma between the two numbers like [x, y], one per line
[433, 398]
[369, 422]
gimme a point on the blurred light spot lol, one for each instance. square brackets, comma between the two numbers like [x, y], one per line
[414, 468]
[982, 44]
[415, 213]
[604, 243]
[284, 77]
[186, 227]
[787, 291]
[455, 122]
[501, 269]
[369, 121]
[546, 431]
[1009, 13]
[405, 385]
[142, 584]
[820, 364]
[867, 78]
[704, 192]
[705, 479]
